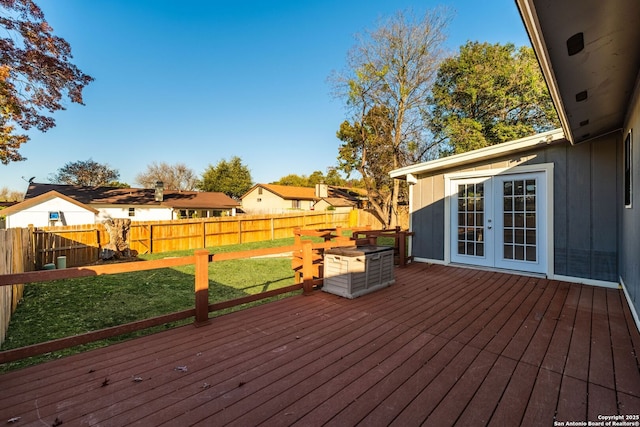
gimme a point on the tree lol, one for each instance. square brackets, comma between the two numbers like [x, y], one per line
[35, 75]
[489, 94]
[118, 184]
[85, 172]
[387, 84]
[177, 177]
[7, 195]
[333, 177]
[293, 180]
[229, 177]
[366, 149]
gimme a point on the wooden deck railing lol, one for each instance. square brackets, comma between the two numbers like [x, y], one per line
[366, 236]
[306, 281]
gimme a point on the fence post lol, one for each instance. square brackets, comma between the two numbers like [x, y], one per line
[150, 238]
[273, 229]
[202, 287]
[307, 267]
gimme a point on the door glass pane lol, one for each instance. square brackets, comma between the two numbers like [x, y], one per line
[508, 188]
[508, 251]
[508, 219]
[519, 218]
[471, 219]
[508, 235]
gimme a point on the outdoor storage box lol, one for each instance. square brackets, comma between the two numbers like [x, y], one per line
[354, 271]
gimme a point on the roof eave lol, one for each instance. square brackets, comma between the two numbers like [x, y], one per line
[498, 150]
[530, 20]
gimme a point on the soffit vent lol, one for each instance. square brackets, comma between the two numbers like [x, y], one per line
[575, 44]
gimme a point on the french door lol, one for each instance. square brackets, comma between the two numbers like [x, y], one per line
[500, 221]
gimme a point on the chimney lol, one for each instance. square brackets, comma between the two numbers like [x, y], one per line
[322, 190]
[159, 191]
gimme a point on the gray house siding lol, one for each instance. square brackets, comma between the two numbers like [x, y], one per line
[585, 211]
[630, 217]
[429, 219]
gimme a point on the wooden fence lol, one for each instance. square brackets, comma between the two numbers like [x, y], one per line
[202, 307]
[306, 281]
[81, 245]
[15, 257]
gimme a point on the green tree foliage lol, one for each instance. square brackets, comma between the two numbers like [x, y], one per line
[35, 75]
[333, 177]
[365, 149]
[118, 184]
[87, 172]
[387, 85]
[177, 177]
[293, 180]
[229, 177]
[489, 94]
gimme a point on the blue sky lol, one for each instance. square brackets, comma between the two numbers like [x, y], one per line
[198, 81]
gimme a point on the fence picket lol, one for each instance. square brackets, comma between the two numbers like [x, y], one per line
[81, 244]
[15, 257]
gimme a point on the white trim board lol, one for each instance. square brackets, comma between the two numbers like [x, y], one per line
[539, 140]
[632, 308]
[568, 279]
[547, 168]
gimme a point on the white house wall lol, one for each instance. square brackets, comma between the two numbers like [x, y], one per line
[38, 216]
[140, 213]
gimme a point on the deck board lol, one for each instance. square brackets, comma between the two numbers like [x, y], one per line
[441, 346]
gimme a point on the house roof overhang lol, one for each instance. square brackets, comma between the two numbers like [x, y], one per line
[43, 198]
[491, 152]
[287, 192]
[589, 56]
[135, 197]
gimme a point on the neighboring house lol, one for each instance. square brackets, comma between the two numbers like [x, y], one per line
[52, 208]
[563, 204]
[336, 204]
[272, 198]
[52, 204]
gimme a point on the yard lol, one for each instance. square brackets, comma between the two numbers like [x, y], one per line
[62, 308]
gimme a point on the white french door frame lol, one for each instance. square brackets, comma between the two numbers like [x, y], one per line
[450, 196]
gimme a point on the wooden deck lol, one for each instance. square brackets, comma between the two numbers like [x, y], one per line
[442, 346]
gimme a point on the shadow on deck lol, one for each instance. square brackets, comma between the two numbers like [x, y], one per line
[443, 345]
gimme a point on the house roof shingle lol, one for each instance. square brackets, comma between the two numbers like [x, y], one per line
[27, 203]
[289, 192]
[135, 196]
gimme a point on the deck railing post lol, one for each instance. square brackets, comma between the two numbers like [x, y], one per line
[402, 249]
[307, 267]
[202, 287]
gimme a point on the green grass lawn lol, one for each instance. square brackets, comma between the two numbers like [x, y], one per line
[64, 308]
